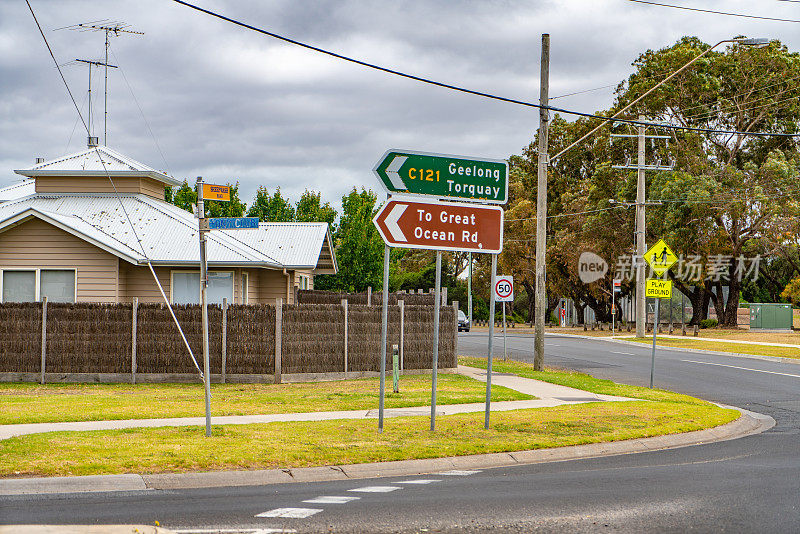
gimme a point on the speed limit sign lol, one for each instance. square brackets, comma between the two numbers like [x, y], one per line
[504, 289]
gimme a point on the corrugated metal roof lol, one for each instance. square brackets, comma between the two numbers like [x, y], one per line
[18, 190]
[94, 162]
[167, 233]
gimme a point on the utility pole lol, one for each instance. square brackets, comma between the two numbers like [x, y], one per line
[641, 167]
[641, 302]
[541, 206]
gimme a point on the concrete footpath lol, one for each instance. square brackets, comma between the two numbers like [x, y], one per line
[547, 395]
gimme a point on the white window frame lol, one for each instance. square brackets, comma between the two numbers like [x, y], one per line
[37, 290]
[245, 287]
[197, 272]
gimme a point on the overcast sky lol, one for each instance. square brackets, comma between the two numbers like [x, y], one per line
[230, 104]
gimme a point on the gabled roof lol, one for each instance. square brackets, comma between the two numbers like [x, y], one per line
[168, 235]
[96, 161]
[18, 190]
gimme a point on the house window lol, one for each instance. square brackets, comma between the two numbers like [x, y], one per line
[58, 285]
[19, 286]
[245, 296]
[186, 287]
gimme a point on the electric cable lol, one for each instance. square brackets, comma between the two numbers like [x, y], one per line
[463, 89]
[712, 11]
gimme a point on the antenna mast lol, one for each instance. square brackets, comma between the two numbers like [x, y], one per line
[108, 27]
[92, 141]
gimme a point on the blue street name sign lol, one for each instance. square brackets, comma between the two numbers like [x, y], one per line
[232, 223]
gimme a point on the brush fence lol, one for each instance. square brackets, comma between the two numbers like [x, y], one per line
[140, 342]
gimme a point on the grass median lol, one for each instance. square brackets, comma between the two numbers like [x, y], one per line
[303, 444]
[722, 346]
[34, 403]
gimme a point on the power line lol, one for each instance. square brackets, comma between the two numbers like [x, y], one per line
[463, 89]
[713, 12]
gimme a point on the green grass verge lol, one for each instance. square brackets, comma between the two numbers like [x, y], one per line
[723, 346]
[302, 444]
[34, 403]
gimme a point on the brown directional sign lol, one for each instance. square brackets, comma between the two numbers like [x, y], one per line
[441, 226]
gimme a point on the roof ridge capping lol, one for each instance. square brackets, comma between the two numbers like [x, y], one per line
[96, 161]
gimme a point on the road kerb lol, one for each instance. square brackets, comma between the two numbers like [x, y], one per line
[748, 423]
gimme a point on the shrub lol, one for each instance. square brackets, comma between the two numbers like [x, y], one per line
[708, 323]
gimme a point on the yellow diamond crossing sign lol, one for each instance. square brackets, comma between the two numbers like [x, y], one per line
[660, 257]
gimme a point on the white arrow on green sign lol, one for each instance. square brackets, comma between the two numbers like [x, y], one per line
[444, 176]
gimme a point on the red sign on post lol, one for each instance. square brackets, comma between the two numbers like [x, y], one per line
[441, 226]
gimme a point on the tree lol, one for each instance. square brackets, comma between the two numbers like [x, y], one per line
[271, 208]
[359, 247]
[311, 209]
[741, 185]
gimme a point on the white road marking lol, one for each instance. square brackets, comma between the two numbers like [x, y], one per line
[459, 473]
[331, 499]
[625, 353]
[376, 489]
[234, 531]
[743, 368]
[296, 513]
[419, 481]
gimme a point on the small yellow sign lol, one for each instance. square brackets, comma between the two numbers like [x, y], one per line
[660, 257]
[216, 192]
[658, 289]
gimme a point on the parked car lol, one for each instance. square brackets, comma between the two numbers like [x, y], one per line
[463, 322]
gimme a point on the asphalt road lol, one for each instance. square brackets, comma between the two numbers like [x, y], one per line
[745, 485]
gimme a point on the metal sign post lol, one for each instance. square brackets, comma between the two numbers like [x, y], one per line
[504, 292]
[661, 258]
[384, 328]
[203, 229]
[491, 334]
[436, 307]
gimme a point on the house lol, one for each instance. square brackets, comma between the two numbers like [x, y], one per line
[88, 227]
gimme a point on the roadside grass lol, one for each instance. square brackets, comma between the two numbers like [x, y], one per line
[582, 381]
[304, 444]
[723, 346]
[35, 403]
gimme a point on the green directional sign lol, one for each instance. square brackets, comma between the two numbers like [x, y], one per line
[444, 176]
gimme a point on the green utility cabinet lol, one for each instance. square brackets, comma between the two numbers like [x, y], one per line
[770, 316]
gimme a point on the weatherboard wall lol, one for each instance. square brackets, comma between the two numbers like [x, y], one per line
[100, 184]
[35, 244]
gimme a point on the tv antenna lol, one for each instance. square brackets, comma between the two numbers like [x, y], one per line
[109, 27]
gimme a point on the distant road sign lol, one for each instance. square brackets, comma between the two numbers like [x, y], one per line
[504, 289]
[441, 226]
[617, 285]
[658, 289]
[216, 192]
[232, 223]
[660, 257]
[444, 176]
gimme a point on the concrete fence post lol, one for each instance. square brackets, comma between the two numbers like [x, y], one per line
[44, 335]
[444, 296]
[346, 330]
[696, 330]
[224, 338]
[369, 296]
[278, 328]
[402, 305]
[134, 325]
